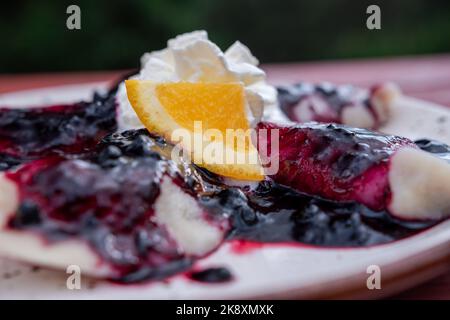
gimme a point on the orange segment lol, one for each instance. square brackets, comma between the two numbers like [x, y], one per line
[217, 106]
[167, 107]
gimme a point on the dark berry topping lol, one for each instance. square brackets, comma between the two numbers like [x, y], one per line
[284, 215]
[28, 214]
[440, 149]
[211, 275]
[7, 162]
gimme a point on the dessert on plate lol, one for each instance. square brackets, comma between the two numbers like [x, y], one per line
[197, 149]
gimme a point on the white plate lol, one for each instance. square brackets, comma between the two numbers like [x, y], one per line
[273, 271]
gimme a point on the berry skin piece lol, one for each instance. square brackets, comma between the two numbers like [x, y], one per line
[349, 164]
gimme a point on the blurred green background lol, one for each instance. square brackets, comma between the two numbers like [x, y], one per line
[114, 34]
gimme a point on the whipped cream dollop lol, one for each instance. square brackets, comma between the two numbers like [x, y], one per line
[192, 57]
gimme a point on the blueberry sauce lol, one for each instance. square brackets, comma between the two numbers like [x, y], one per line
[211, 275]
[27, 134]
[279, 214]
[106, 197]
[439, 149]
[322, 102]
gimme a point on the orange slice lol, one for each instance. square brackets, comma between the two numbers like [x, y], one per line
[207, 119]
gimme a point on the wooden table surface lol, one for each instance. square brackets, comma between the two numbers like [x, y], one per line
[425, 77]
